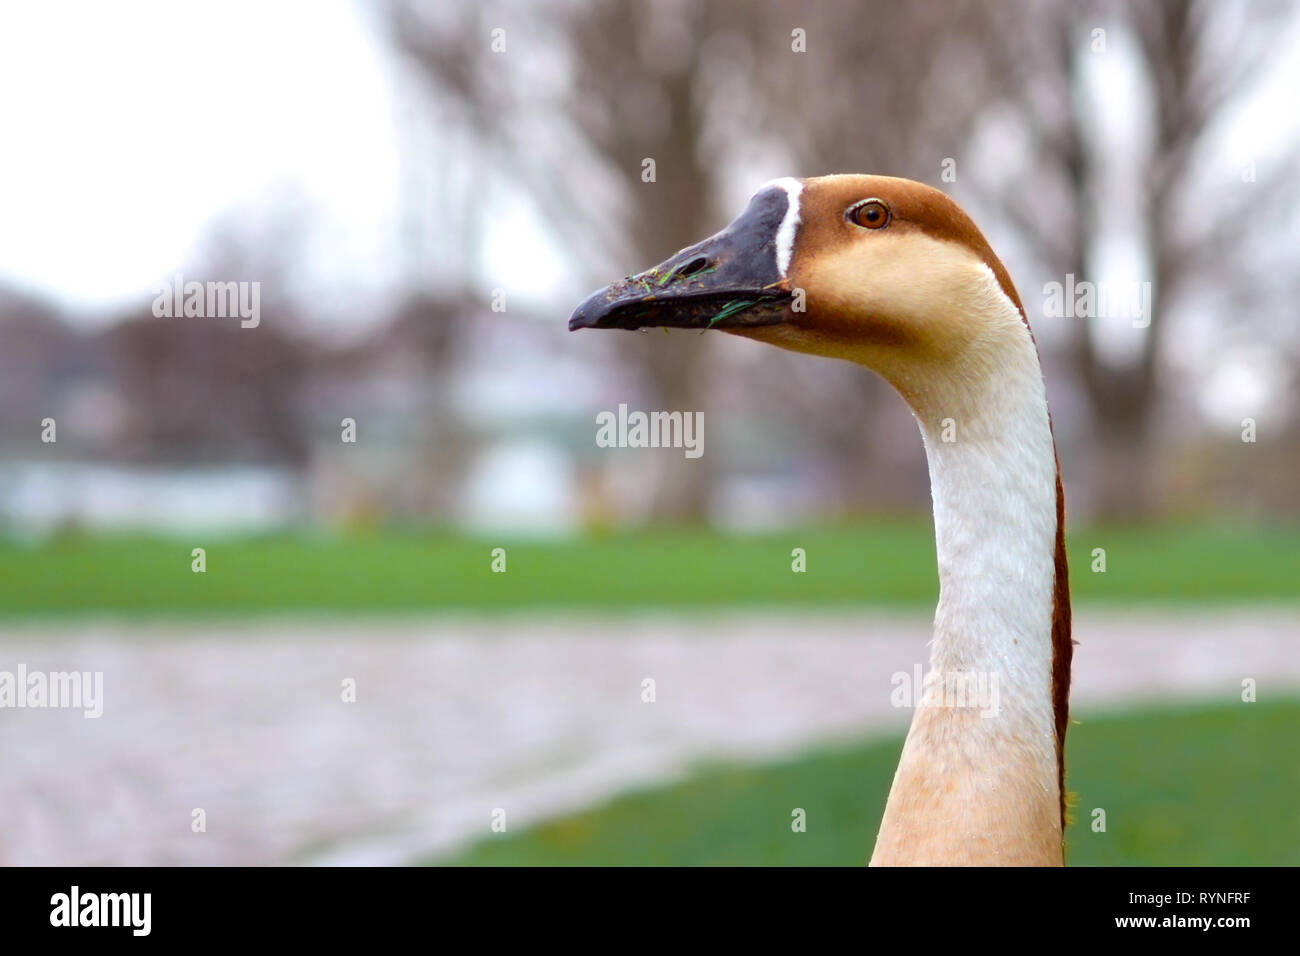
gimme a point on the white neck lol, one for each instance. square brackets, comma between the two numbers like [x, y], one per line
[994, 490]
[973, 786]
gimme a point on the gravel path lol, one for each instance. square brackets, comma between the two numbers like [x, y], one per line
[454, 718]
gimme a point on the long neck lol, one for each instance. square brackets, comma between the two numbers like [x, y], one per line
[979, 778]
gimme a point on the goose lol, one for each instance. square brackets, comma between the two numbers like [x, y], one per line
[893, 275]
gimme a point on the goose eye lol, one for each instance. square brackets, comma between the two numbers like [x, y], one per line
[869, 214]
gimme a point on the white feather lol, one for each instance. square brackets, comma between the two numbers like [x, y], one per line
[785, 233]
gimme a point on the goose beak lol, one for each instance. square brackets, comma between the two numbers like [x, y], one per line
[728, 281]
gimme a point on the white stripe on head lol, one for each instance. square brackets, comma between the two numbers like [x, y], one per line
[789, 224]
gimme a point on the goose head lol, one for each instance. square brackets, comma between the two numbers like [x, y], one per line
[886, 272]
[893, 275]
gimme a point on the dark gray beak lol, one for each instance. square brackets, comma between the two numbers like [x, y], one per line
[728, 281]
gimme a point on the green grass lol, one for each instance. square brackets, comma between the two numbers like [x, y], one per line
[1190, 787]
[878, 563]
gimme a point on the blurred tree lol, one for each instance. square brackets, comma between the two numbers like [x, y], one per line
[886, 87]
[1198, 59]
[638, 66]
[693, 87]
[583, 93]
[218, 393]
[39, 357]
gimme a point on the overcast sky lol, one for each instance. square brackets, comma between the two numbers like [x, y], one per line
[130, 127]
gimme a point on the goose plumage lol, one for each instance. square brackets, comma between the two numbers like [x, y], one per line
[893, 275]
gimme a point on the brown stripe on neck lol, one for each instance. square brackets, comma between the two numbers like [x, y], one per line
[1062, 643]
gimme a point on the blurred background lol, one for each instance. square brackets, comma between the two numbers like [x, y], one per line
[423, 191]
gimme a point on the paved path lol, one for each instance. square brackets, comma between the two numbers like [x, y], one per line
[454, 718]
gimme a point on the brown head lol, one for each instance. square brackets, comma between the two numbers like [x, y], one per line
[885, 272]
